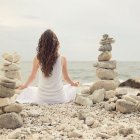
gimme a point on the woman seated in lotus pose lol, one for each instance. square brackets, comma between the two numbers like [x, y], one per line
[52, 67]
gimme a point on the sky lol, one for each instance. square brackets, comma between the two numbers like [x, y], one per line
[79, 25]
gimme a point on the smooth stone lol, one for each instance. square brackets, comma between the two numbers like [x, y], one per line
[124, 106]
[1, 111]
[126, 131]
[128, 98]
[106, 74]
[10, 121]
[104, 48]
[85, 91]
[7, 101]
[12, 67]
[138, 107]
[75, 134]
[82, 115]
[8, 85]
[106, 84]
[106, 64]
[97, 96]
[13, 74]
[6, 63]
[8, 80]
[107, 41]
[15, 134]
[110, 94]
[135, 97]
[89, 120]
[16, 57]
[6, 92]
[83, 101]
[110, 106]
[105, 36]
[103, 135]
[8, 57]
[17, 108]
[105, 56]
[121, 92]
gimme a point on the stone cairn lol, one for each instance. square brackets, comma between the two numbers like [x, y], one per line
[9, 82]
[105, 90]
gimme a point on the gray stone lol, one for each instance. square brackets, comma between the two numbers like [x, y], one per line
[8, 85]
[110, 94]
[105, 56]
[104, 48]
[106, 84]
[97, 96]
[12, 67]
[89, 120]
[1, 111]
[15, 134]
[17, 108]
[128, 98]
[110, 107]
[75, 134]
[106, 74]
[6, 92]
[106, 64]
[126, 131]
[124, 106]
[107, 41]
[10, 121]
[13, 74]
[8, 57]
[83, 101]
[105, 36]
[121, 92]
[85, 91]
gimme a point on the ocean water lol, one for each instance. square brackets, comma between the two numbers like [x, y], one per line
[84, 72]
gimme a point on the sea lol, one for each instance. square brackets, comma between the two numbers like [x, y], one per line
[84, 72]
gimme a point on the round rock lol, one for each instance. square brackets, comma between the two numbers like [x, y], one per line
[105, 56]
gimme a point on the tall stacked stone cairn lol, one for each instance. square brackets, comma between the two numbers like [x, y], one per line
[105, 91]
[9, 82]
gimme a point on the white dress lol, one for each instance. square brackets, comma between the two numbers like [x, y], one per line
[50, 90]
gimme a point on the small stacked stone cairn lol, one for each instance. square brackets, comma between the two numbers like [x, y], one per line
[9, 82]
[106, 89]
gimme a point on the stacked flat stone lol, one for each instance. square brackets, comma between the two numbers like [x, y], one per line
[105, 67]
[9, 82]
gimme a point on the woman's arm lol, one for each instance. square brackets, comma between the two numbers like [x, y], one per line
[32, 75]
[65, 73]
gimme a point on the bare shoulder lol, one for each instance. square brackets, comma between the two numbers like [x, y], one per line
[36, 61]
[63, 59]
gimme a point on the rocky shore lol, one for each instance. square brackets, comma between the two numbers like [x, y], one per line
[72, 122]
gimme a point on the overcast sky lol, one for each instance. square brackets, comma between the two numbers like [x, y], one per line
[79, 25]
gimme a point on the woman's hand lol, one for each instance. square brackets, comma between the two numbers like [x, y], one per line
[76, 84]
[23, 86]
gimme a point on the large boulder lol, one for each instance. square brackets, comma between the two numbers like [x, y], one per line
[104, 48]
[97, 96]
[106, 84]
[17, 108]
[83, 101]
[10, 121]
[106, 74]
[105, 56]
[6, 92]
[106, 64]
[124, 106]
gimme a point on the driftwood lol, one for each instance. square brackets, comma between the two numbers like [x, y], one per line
[134, 83]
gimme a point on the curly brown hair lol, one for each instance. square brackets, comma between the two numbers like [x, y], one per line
[47, 51]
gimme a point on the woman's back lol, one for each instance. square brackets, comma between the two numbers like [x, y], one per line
[52, 85]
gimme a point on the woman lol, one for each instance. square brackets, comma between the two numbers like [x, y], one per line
[52, 66]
